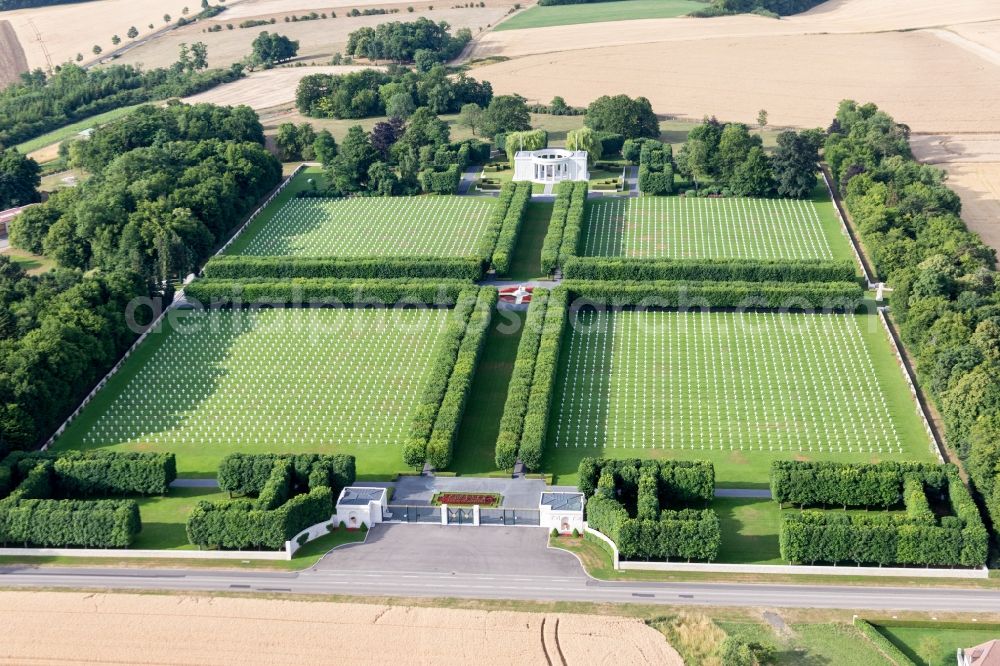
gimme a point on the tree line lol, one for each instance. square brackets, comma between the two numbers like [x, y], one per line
[38, 103]
[945, 299]
[422, 42]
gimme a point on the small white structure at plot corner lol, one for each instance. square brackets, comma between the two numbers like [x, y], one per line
[550, 165]
[359, 506]
[561, 511]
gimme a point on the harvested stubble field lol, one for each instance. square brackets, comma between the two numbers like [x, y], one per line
[269, 381]
[262, 90]
[733, 66]
[55, 627]
[76, 27]
[738, 389]
[972, 162]
[318, 39]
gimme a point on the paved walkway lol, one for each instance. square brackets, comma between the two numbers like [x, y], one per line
[468, 181]
[761, 493]
[418, 490]
[195, 483]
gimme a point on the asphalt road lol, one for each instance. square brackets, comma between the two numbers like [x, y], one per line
[399, 583]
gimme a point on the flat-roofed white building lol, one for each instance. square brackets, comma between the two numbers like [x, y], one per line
[550, 165]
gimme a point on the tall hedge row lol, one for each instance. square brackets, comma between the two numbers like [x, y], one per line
[656, 169]
[831, 296]
[557, 223]
[546, 363]
[442, 364]
[48, 523]
[449, 414]
[708, 270]
[323, 291]
[883, 644]
[519, 388]
[678, 481]
[916, 536]
[246, 474]
[574, 221]
[511, 227]
[370, 268]
[440, 182]
[688, 533]
[293, 492]
[82, 474]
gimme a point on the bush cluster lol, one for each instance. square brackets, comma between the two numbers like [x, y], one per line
[546, 363]
[511, 227]
[626, 500]
[449, 415]
[443, 181]
[297, 492]
[914, 537]
[222, 293]
[231, 267]
[831, 296]
[442, 364]
[709, 270]
[519, 389]
[656, 168]
[679, 481]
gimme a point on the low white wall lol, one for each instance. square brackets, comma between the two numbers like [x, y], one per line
[845, 570]
[611, 544]
[843, 225]
[148, 554]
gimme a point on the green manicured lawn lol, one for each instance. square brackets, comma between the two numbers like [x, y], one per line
[831, 643]
[365, 226]
[676, 227]
[749, 530]
[594, 12]
[269, 381]
[527, 261]
[737, 389]
[33, 264]
[936, 646]
[164, 518]
[475, 446]
[67, 131]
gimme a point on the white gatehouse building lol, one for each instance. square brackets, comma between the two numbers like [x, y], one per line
[550, 165]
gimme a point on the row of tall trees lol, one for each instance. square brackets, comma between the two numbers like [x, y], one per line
[945, 298]
[39, 103]
[396, 92]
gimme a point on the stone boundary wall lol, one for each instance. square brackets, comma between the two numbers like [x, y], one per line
[847, 230]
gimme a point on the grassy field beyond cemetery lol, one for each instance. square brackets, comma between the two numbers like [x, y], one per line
[272, 381]
[726, 228]
[623, 10]
[737, 389]
[366, 226]
[937, 645]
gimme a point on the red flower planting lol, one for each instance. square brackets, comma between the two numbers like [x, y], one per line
[466, 499]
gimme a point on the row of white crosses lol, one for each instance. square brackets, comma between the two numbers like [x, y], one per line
[374, 226]
[702, 228]
[351, 377]
[728, 381]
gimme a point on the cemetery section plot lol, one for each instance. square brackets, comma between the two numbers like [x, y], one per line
[281, 381]
[738, 389]
[677, 227]
[429, 226]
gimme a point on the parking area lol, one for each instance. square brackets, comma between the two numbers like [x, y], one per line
[455, 549]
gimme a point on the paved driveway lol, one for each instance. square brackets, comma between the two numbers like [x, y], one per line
[455, 549]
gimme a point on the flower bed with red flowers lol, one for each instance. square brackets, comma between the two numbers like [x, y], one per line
[467, 499]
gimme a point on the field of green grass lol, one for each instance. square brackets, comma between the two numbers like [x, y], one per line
[595, 12]
[812, 643]
[727, 228]
[271, 381]
[67, 131]
[937, 645]
[737, 389]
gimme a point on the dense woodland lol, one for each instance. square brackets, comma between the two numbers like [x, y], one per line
[422, 42]
[945, 297]
[39, 104]
[161, 196]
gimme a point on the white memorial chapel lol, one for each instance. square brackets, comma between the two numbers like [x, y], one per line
[550, 165]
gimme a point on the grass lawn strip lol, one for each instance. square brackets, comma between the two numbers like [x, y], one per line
[736, 389]
[272, 381]
[542, 17]
[936, 645]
